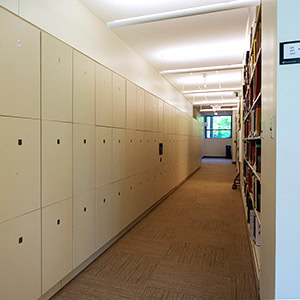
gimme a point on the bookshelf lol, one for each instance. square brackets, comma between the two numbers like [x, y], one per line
[252, 134]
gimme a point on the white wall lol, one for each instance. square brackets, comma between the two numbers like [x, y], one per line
[216, 147]
[73, 23]
[287, 160]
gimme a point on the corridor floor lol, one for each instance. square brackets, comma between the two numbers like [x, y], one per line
[192, 246]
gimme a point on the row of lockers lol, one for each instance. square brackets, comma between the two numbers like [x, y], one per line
[52, 241]
[76, 158]
[74, 88]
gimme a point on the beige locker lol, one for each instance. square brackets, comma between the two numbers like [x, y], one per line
[83, 227]
[56, 79]
[130, 152]
[131, 198]
[20, 167]
[103, 96]
[119, 156]
[103, 156]
[140, 108]
[140, 152]
[155, 182]
[160, 116]
[148, 151]
[119, 102]
[149, 195]
[142, 197]
[155, 119]
[155, 150]
[83, 89]
[20, 67]
[120, 209]
[131, 98]
[20, 259]
[56, 162]
[83, 158]
[104, 215]
[148, 111]
[56, 243]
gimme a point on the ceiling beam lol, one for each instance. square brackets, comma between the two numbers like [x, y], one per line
[203, 69]
[211, 91]
[184, 13]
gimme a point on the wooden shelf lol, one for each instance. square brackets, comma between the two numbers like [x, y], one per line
[257, 175]
[254, 138]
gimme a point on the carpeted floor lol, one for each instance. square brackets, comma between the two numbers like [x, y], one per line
[192, 246]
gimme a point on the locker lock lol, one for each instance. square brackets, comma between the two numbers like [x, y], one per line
[20, 240]
[103, 141]
[84, 141]
[20, 142]
[58, 141]
[131, 187]
[58, 221]
[84, 209]
[119, 194]
[130, 141]
[104, 200]
[119, 141]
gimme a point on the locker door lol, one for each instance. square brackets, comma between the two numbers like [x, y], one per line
[56, 243]
[20, 67]
[154, 114]
[130, 105]
[118, 101]
[142, 195]
[56, 79]
[83, 158]
[155, 151]
[148, 111]
[130, 152]
[118, 163]
[120, 209]
[103, 96]
[104, 215]
[83, 89]
[160, 116]
[149, 195]
[140, 109]
[103, 156]
[20, 167]
[84, 227]
[156, 195]
[148, 148]
[20, 259]
[131, 187]
[57, 162]
[140, 148]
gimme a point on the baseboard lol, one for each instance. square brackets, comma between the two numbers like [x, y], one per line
[215, 157]
[57, 287]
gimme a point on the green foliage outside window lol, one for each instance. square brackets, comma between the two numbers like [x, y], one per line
[218, 127]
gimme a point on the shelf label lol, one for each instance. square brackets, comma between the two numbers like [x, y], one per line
[290, 52]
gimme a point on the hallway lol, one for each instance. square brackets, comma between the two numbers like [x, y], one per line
[192, 246]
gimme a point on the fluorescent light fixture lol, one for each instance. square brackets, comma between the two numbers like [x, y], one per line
[221, 102]
[204, 69]
[212, 91]
[206, 9]
[221, 109]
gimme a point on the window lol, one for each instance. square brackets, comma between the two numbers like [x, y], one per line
[218, 127]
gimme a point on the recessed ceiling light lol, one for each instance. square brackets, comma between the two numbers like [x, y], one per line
[211, 92]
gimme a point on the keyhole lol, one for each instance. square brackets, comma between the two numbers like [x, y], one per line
[58, 222]
[119, 194]
[130, 141]
[20, 142]
[119, 141]
[84, 209]
[104, 200]
[58, 141]
[84, 141]
[19, 43]
[131, 187]
[103, 141]
[58, 60]
[20, 240]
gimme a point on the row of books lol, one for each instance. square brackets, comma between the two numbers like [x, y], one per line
[252, 127]
[254, 190]
[255, 229]
[253, 154]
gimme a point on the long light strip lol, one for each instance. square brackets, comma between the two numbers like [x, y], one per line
[216, 102]
[184, 13]
[212, 91]
[203, 69]
[221, 109]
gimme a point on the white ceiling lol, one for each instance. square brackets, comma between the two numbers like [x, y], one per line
[199, 41]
